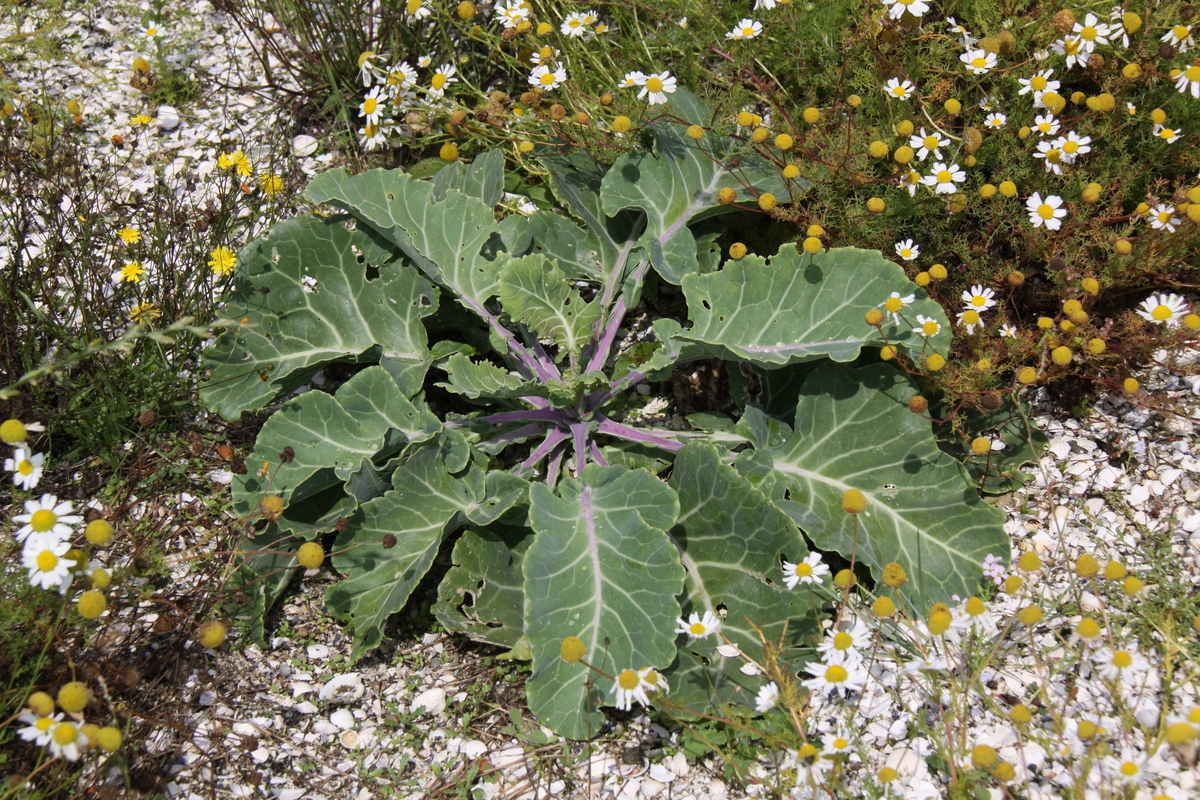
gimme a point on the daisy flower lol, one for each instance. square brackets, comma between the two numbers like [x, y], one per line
[1008, 331]
[1129, 768]
[698, 627]
[810, 570]
[767, 697]
[372, 105]
[838, 675]
[836, 742]
[42, 554]
[850, 641]
[46, 515]
[417, 10]
[424, 62]
[1052, 156]
[995, 120]
[370, 137]
[367, 66]
[907, 250]
[1164, 308]
[443, 76]
[1187, 80]
[657, 87]
[1092, 32]
[545, 78]
[767, 4]
[1045, 124]
[400, 77]
[943, 178]
[652, 681]
[628, 687]
[512, 14]
[632, 79]
[1162, 218]
[973, 614]
[929, 143]
[926, 326]
[1074, 49]
[1073, 146]
[576, 24]
[1123, 665]
[151, 29]
[899, 89]
[988, 103]
[746, 29]
[66, 740]
[979, 298]
[544, 55]
[144, 312]
[893, 305]
[967, 39]
[979, 62]
[1168, 135]
[1048, 212]
[970, 320]
[910, 181]
[26, 468]
[37, 729]
[1179, 37]
[896, 8]
[1038, 84]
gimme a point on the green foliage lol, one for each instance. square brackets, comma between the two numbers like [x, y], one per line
[572, 528]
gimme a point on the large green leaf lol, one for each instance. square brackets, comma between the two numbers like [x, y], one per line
[294, 328]
[601, 568]
[1012, 423]
[330, 436]
[854, 431]
[443, 231]
[797, 307]
[536, 293]
[483, 594]
[380, 578]
[678, 182]
[731, 539]
[475, 379]
[266, 564]
[482, 178]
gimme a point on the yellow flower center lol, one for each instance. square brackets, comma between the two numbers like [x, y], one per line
[931, 142]
[840, 743]
[1071, 147]
[1167, 133]
[905, 253]
[1054, 155]
[1180, 31]
[1044, 127]
[930, 328]
[696, 628]
[899, 91]
[151, 31]
[43, 520]
[979, 301]
[369, 105]
[65, 733]
[979, 61]
[413, 6]
[1071, 46]
[1162, 314]
[944, 176]
[971, 317]
[1164, 217]
[547, 78]
[438, 81]
[651, 677]
[654, 85]
[1122, 658]
[893, 305]
[1045, 211]
[1089, 33]
[1194, 716]
[836, 673]
[628, 680]
[747, 31]
[804, 570]
[975, 607]
[843, 641]
[1192, 73]
[1038, 83]
[44, 724]
[47, 561]
[25, 468]
[1129, 769]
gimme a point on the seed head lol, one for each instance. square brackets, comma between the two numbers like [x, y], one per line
[854, 502]
[573, 649]
[310, 555]
[41, 704]
[1086, 566]
[918, 404]
[272, 506]
[894, 575]
[91, 604]
[73, 697]
[212, 634]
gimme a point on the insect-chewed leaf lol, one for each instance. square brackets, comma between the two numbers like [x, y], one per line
[535, 292]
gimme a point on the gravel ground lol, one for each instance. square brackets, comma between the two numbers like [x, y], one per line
[433, 716]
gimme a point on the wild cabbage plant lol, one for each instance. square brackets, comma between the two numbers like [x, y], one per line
[485, 404]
